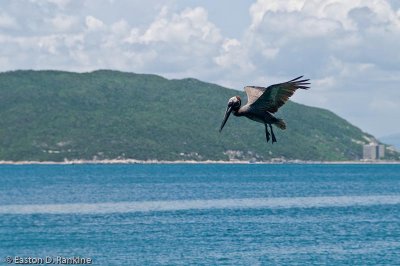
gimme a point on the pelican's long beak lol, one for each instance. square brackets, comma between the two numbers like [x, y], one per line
[227, 113]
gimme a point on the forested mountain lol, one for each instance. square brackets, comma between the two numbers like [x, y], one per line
[57, 116]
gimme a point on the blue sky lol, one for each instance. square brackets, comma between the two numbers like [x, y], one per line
[350, 49]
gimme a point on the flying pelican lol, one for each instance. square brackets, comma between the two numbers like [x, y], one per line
[263, 102]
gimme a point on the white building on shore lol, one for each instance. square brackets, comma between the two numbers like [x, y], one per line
[373, 151]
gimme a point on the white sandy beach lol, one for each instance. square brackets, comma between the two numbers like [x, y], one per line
[134, 161]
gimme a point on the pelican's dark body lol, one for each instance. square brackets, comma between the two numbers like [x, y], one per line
[255, 114]
[262, 102]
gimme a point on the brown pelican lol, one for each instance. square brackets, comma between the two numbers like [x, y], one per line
[263, 102]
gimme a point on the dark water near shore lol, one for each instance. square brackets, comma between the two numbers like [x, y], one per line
[202, 214]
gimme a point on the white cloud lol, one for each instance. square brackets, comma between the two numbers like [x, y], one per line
[258, 9]
[182, 28]
[351, 31]
[185, 42]
[93, 23]
[7, 22]
[63, 23]
[233, 64]
[233, 53]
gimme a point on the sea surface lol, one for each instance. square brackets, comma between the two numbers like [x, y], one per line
[201, 214]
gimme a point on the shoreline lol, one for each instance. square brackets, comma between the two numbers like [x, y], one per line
[133, 161]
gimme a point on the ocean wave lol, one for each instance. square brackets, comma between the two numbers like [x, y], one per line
[200, 204]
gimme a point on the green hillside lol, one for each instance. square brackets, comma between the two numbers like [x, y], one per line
[53, 116]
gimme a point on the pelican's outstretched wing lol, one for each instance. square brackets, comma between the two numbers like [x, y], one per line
[276, 95]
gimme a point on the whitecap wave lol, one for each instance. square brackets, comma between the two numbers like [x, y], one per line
[180, 205]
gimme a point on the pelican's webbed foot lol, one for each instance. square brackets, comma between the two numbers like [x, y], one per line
[267, 132]
[272, 134]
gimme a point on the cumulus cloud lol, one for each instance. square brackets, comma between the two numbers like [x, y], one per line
[55, 37]
[181, 28]
[350, 31]
[184, 42]
[93, 23]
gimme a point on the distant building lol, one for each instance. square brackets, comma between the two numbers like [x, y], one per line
[369, 152]
[381, 151]
[373, 151]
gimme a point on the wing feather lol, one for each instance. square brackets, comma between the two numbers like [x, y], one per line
[276, 95]
[253, 93]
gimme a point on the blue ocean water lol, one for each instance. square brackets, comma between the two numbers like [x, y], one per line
[207, 214]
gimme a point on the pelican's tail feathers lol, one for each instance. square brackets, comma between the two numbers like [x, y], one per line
[280, 123]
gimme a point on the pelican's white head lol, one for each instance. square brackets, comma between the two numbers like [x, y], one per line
[235, 103]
